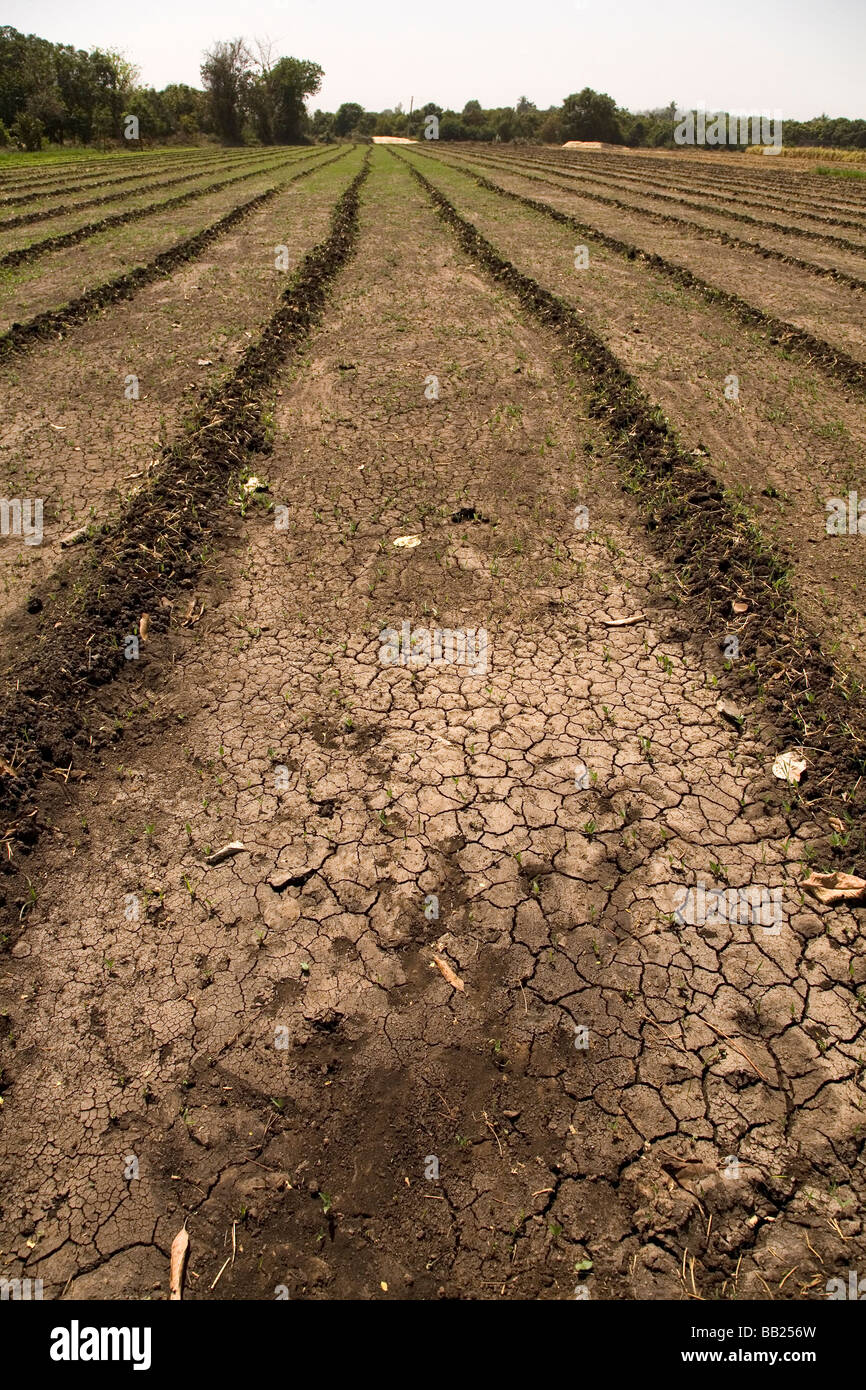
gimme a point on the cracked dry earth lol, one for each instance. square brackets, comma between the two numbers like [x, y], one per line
[271, 1040]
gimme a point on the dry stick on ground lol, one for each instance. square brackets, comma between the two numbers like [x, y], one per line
[671, 1041]
[493, 1132]
[741, 1050]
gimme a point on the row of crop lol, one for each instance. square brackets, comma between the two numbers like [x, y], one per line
[12, 191]
[69, 209]
[698, 176]
[123, 574]
[762, 224]
[715, 550]
[652, 186]
[35, 249]
[839, 365]
[694, 229]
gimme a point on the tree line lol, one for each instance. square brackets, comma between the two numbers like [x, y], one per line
[249, 95]
[584, 115]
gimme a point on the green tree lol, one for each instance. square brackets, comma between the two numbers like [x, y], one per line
[78, 92]
[112, 79]
[287, 85]
[590, 115]
[527, 119]
[347, 117]
[322, 126]
[452, 128]
[186, 108]
[550, 129]
[27, 132]
[225, 73]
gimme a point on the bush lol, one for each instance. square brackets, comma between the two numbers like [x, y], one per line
[5, 137]
[27, 132]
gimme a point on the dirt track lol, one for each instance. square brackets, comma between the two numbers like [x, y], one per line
[266, 1047]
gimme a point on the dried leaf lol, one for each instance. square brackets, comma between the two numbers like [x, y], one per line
[453, 980]
[728, 710]
[74, 537]
[192, 617]
[625, 622]
[739, 606]
[836, 888]
[144, 626]
[789, 768]
[225, 853]
[179, 1252]
[407, 542]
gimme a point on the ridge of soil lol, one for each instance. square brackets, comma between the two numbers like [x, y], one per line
[720, 556]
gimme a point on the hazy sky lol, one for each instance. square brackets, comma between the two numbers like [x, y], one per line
[794, 56]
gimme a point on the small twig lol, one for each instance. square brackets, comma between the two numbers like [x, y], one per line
[741, 1051]
[814, 1251]
[492, 1131]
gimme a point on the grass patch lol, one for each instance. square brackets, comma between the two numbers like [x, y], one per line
[841, 173]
